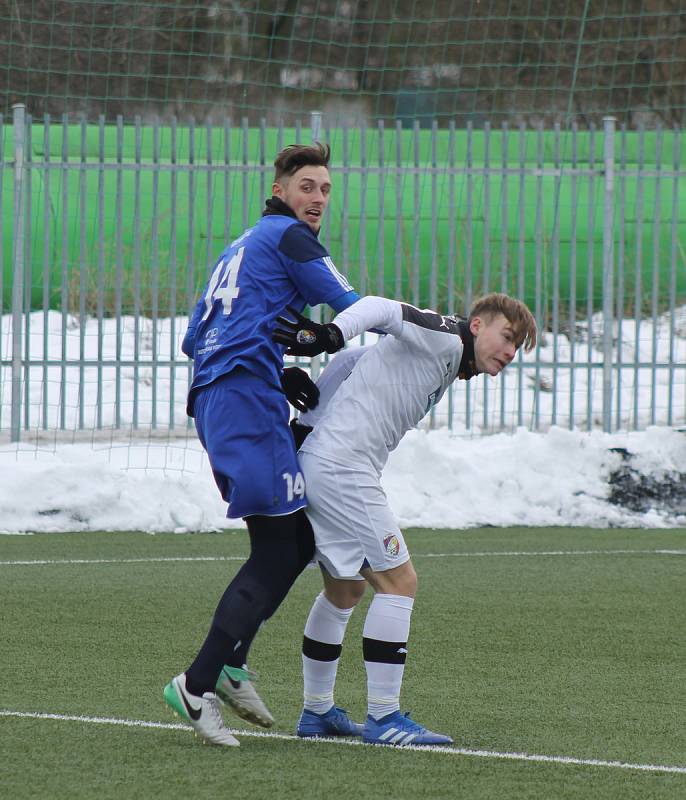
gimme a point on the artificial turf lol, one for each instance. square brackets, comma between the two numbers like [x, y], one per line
[578, 655]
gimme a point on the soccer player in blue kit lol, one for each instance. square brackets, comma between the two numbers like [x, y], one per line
[241, 416]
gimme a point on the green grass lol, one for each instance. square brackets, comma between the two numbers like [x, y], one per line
[578, 655]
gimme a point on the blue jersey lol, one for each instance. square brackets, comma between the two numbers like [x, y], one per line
[277, 263]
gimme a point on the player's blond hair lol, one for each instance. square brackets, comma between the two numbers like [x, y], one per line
[514, 311]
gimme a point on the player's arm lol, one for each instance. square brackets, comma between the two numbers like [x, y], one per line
[303, 337]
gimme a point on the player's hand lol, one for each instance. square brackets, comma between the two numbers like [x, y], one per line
[303, 337]
[300, 390]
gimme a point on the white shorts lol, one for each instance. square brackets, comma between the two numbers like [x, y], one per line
[351, 519]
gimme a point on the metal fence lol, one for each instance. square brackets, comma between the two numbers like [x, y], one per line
[109, 232]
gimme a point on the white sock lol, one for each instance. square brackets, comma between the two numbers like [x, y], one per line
[386, 630]
[324, 632]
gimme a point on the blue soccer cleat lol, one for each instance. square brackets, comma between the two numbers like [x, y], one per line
[334, 723]
[400, 730]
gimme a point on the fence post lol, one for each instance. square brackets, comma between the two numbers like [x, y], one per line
[19, 120]
[316, 312]
[608, 266]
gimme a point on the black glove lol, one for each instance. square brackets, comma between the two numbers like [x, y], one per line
[300, 390]
[303, 337]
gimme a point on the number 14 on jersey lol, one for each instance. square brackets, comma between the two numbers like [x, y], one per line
[222, 285]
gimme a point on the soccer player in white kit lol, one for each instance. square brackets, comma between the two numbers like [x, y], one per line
[369, 398]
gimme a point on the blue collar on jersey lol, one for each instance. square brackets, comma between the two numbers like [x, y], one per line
[467, 368]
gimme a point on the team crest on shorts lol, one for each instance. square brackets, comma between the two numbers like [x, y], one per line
[391, 545]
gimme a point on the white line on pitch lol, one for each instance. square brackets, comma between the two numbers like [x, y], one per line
[58, 562]
[485, 554]
[552, 553]
[460, 751]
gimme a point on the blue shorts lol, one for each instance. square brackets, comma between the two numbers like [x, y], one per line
[242, 423]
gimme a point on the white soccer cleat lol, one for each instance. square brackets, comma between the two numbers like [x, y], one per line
[235, 690]
[201, 712]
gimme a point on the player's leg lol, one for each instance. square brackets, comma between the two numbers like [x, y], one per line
[332, 501]
[385, 648]
[321, 652]
[387, 626]
[267, 534]
[251, 453]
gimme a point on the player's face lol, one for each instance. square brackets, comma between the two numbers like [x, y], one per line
[307, 192]
[494, 343]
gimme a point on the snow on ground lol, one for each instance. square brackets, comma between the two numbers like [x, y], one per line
[434, 479]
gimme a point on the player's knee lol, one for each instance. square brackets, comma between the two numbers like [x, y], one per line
[400, 580]
[344, 594]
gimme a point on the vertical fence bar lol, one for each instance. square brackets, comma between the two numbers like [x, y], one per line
[47, 219]
[433, 275]
[433, 287]
[619, 303]
[416, 209]
[469, 260]
[638, 274]
[65, 269]
[398, 293]
[316, 311]
[83, 272]
[263, 159]
[486, 176]
[2, 232]
[381, 227]
[452, 249]
[608, 266]
[101, 264]
[655, 287]
[504, 246]
[228, 205]
[155, 267]
[173, 265]
[2, 256]
[486, 260]
[452, 219]
[362, 225]
[190, 250]
[209, 199]
[572, 276]
[119, 266]
[521, 264]
[137, 286]
[326, 225]
[345, 221]
[28, 272]
[589, 279]
[538, 312]
[19, 121]
[245, 195]
[674, 243]
[557, 164]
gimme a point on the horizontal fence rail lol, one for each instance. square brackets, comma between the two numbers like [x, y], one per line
[109, 232]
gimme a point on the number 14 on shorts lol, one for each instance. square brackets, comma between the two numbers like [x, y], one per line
[295, 487]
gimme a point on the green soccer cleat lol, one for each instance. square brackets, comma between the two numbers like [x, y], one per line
[235, 690]
[201, 712]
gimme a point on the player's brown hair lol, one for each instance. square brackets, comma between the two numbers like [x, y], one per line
[295, 156]
[514, 311]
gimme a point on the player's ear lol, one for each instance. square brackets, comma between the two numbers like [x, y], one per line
[277, 189]
[475, 325]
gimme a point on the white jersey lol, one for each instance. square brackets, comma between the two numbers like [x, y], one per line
[386, 389]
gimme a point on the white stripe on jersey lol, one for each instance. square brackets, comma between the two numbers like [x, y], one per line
[340, 278]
